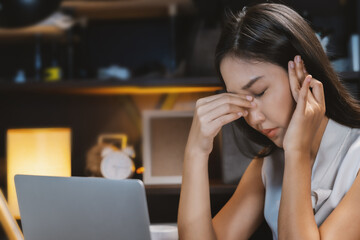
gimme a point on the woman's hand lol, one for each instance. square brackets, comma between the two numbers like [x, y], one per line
[210, 115]
[310, 108]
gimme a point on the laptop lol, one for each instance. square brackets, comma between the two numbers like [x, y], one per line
[53, 208]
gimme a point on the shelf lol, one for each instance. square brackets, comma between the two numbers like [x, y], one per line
[132, 86]
[30, 32]
[103, 10]
[215, 188]
[114, 87]
[125, 9]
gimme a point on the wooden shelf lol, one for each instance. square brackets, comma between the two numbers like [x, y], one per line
[30, 32]
[114, 87]
[132, 86]
[215, 188]
[101, 10]
[126, 9]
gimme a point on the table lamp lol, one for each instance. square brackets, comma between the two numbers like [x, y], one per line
[36, 151]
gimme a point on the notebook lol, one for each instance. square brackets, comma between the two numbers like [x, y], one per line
[79, 208]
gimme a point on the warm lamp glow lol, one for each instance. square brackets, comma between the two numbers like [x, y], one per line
[36, 151]
[140, 170]
[142, 90]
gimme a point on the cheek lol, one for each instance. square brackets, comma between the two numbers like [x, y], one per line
[286, 104]
[279, 106]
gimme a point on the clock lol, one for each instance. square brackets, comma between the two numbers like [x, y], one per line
[117, 164]
[111, 157]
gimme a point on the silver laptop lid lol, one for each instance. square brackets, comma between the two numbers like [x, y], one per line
[54, 208]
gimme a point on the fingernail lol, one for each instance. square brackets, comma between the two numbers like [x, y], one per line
[291, 64]
[253, 104]
[308, 78]
[240, 114]
[249, 98]
[298, 59]
[245, 113]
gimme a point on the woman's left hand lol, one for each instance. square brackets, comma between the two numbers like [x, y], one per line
[309, 111]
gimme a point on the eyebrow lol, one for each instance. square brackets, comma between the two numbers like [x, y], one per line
[251, 82]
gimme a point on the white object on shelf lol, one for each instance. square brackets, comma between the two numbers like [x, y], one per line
[354, 49]
[114, 71]
[116, 164]
[58, 20]
[164, 232]
[20, 76]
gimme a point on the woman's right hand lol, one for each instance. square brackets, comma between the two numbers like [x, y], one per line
[210, 115]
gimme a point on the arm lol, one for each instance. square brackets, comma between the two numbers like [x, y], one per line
[296, 218]
[194, 217]
[243, 213]
[344, 221]
[238, 219]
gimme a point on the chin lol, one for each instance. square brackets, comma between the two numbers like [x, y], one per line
[278, 142]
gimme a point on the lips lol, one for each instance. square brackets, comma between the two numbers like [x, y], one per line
[270, 132]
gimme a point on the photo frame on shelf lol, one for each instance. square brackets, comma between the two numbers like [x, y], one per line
[165, 135]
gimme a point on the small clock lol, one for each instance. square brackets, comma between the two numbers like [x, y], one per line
[111, 157]
[116, 164]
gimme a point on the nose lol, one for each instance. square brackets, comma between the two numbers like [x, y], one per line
[255, 116]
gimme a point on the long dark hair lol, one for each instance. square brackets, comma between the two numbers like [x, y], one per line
[275, 33]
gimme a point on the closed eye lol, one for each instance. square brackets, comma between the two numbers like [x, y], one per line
[260, 94]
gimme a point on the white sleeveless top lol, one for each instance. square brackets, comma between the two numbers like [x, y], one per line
[334, 171]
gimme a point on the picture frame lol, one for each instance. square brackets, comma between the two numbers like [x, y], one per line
[165, 135]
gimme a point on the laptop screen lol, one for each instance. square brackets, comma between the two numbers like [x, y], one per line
[82, 208]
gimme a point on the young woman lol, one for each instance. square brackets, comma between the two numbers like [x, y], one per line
[305, 181]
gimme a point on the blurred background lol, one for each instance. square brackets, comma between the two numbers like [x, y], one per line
[95, 66]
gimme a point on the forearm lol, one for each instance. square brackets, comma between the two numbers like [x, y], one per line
[296, 217]
[194, 218]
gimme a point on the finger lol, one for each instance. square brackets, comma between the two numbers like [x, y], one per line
[303, 94]
[230, 99]
[204, 100]
[299, 68]
[318, 91]
[304, 69]
[212, 98]
[310, 96]
[222, 110]
[294, 82]
[221, 121]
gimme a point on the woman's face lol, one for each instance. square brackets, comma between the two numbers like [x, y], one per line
[269, 85]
